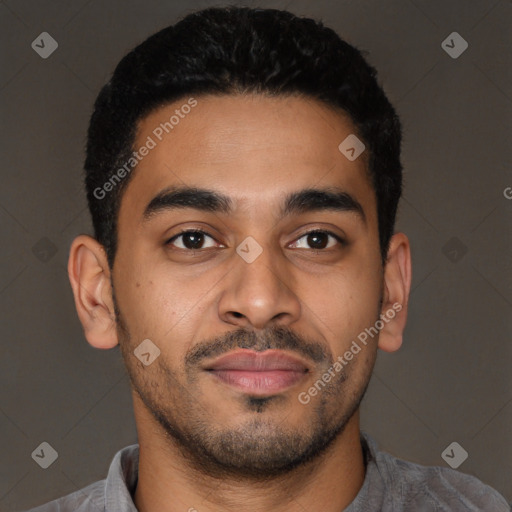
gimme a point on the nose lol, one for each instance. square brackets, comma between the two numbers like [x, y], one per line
[260, 294]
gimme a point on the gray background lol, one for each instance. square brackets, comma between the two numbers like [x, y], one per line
[451, 380]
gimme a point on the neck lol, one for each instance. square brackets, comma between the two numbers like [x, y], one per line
[168, 483]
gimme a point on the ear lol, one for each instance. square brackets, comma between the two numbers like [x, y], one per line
[397, 285]
[89, 275]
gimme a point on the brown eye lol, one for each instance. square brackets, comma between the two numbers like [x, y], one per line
[192, 240]
[318, 240]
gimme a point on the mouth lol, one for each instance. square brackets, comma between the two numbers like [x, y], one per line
[259, 373]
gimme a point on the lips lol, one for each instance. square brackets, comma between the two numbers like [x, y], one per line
[258, 373]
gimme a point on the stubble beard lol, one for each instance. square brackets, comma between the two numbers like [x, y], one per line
[257, 450]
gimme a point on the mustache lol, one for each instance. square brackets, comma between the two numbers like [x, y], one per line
[272, 338]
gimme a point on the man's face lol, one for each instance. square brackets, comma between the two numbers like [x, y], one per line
[202, 296]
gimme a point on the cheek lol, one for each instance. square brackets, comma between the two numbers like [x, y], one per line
[145, 302]
[162, 306]
[345, 304]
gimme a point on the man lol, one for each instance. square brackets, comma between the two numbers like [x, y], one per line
[243, 175]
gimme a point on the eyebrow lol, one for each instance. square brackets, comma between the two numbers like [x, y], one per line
[206, 200]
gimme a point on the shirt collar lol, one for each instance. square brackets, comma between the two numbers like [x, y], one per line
[123, 475]
[122, 479]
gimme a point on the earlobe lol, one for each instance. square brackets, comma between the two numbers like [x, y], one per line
[89, 275]
[397, 285]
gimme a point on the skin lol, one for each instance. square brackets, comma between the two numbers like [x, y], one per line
[205, 445]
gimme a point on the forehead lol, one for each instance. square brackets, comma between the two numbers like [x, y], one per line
[254, 148]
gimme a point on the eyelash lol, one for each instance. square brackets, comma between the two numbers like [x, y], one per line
[340, 240]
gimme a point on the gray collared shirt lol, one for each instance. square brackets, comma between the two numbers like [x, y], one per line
[390, 485]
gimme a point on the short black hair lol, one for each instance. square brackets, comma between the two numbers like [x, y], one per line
[238, 50]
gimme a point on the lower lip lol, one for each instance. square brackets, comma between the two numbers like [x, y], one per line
[259, 383]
